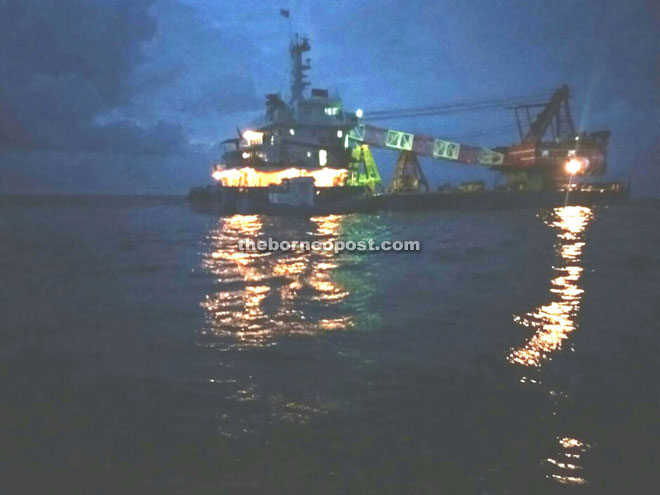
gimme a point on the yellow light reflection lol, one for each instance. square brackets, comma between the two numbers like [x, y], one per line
[262, 294]
[554, 322]
[569, 480]
[326, 227]
[570, 443]
[564, 466]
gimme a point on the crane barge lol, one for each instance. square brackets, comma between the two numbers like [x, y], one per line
[312, 155]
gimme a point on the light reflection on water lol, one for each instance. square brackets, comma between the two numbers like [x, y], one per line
[258, 299]
[553, 323]
[566, 465]
[263, 294]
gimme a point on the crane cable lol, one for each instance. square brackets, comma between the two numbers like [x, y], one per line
[450, 108]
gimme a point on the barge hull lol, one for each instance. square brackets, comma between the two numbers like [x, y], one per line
[255, 201]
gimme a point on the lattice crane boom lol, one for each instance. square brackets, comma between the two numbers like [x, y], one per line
[422, 145]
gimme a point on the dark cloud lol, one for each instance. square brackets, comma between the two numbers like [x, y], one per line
[215, 64]
[65, 63]
[230, 94]
[127, 137]
[157, 79]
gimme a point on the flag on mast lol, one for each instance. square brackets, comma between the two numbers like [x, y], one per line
[284, 13]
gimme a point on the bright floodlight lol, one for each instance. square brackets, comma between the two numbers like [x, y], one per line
[573, 166]
[217, 175]
[253, 137]
[359, 113]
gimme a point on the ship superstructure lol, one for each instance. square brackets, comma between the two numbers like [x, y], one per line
[305, 136]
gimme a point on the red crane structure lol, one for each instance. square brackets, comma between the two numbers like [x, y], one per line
[548, 142]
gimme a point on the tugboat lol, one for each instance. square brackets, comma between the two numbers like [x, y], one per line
[297, 158]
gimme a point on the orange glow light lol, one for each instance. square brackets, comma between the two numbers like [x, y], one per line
[573, 166]
[249, 177]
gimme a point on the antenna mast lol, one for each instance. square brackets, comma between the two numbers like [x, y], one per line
[298, 68]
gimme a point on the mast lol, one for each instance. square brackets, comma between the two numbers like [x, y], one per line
[298, 68]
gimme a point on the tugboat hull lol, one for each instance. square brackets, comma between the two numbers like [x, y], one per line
[255, 200]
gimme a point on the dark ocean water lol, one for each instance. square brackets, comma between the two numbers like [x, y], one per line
[142, 352]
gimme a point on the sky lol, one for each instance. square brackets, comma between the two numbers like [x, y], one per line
[133, 96]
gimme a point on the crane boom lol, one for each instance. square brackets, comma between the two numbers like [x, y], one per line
[555, 111]
[424, 145]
